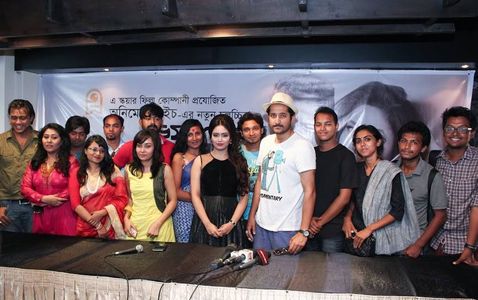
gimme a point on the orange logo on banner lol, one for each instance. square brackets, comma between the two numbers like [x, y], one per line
[94, 103]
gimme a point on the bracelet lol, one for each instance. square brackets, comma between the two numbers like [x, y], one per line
[128, 208]
[232, 222]
[470, 246]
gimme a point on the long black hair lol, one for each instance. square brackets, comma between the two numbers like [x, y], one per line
[40, 156]
[107, 167]
[235, 156]
[136, 167]
[181, 144]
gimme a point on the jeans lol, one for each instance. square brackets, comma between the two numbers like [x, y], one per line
[329, 244]
[20, 215]
[271, 240]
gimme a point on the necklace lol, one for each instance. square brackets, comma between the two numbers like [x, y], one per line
[96, 187]
[46, 169]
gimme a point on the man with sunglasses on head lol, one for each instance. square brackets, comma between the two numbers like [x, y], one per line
[17, 147]
[458, 164]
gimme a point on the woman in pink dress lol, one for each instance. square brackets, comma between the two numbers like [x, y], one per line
[98, 192]
[45, 183]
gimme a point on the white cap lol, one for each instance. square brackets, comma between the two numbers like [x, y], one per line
[281, 98]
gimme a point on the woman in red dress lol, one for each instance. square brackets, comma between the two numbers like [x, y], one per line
[45, 183]
[98, 192]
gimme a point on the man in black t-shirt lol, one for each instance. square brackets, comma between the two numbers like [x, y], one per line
[335, 177]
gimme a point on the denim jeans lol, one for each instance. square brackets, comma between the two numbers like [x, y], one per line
[20, 215]
[329, 245]
[271, 240]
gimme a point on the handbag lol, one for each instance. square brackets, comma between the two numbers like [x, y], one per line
[367, 248]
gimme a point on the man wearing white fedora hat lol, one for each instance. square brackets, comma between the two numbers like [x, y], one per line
[284, 194]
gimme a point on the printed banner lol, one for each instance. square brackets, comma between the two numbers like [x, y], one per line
[386, 99]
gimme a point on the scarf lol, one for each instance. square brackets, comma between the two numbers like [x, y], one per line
[398, 235]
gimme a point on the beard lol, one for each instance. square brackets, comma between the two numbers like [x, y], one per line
[110, 137]
[153, 127]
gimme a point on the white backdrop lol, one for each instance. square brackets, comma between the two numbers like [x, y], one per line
[201, 94]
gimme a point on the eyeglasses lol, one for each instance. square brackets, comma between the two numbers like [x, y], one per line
[365, 139]
[461, 130]
[97, 150]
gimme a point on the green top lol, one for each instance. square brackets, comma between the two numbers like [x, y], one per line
[13, 162]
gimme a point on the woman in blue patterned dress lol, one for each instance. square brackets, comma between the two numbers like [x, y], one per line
[190, 142]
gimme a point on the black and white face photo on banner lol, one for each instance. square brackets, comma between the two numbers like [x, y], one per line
[384, 98]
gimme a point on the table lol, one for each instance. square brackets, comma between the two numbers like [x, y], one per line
[54, 267]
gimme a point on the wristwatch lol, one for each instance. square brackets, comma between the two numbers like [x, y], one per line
[471, 247]
[305, 232]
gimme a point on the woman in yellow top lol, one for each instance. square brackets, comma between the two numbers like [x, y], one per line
[152, 192]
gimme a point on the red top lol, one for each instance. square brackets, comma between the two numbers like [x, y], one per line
[105, 195]
[59, 220]
[125, 153]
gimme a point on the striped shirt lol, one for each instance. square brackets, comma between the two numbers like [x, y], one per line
[461, 185]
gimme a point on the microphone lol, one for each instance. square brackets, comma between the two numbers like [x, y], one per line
[227, 252]
[243, 255]
[219, 262]
[136, 249]
[261, 257]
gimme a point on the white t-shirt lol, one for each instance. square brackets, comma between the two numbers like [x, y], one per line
[282, 195]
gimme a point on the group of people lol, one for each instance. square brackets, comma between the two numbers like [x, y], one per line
[272, 192]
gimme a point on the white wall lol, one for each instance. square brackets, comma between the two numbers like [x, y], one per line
[7, 63]
[26, 87]
[14, 85]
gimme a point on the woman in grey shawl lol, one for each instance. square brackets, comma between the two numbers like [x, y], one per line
[382, 205]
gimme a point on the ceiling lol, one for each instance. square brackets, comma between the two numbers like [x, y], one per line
[54, 23]
[29, 25]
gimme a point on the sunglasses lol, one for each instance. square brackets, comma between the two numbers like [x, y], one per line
[281, 251]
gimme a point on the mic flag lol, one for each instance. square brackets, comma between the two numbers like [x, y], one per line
[263, 256]
[137, 249]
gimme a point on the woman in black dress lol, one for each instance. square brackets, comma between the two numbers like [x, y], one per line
[219, 187]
